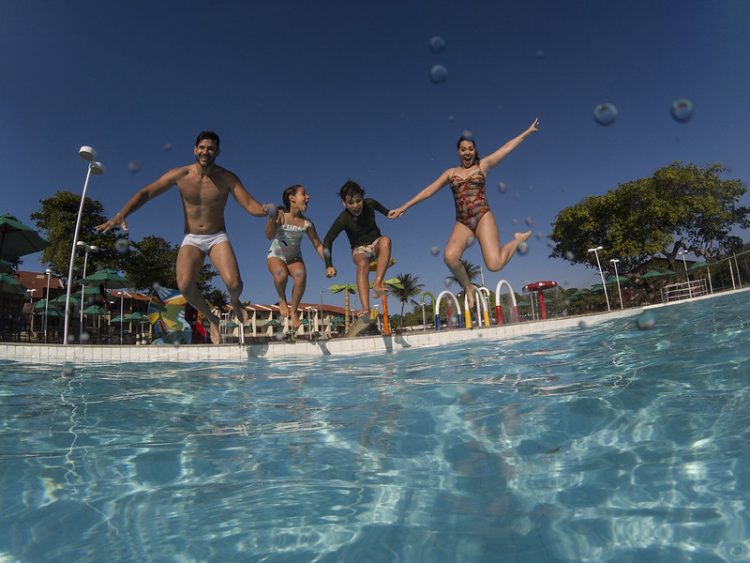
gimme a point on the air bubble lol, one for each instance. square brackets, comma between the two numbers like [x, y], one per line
[435, 250]
[451, 118]
[645, 321]
[467, 134]
[168, 147]
[438, 74]
[122, 245]
[502, 187]
[682, 110]
[540, 54]
[529, 221]
[447, 282]
[539, 236]
[437, 44]
[134, 166]
[523, 248]
[605, 114]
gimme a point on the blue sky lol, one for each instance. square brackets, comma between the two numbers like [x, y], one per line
[320, 92]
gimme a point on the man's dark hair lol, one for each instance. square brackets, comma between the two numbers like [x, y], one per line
[210, 135]
[349, 189]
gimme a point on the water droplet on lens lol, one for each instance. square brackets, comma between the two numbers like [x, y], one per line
[326, 253]
[85, 337]
[134, 166]
[435, 250]
[71, 339]
[471, 239]
[540, 54]
[279, 336]
[523, 248]
[539, 236]
[155, 286]
[682, 110]
[438, 74]
[167, 146]
[451, 118]
[569, 255]
[122, 245]
[529, 221]
[68, 370]
[582, 325]
[447, 282]
[514, 221]
[645, 321]
[605, 114]
[437, 44]
[467, 134]
[502, 187]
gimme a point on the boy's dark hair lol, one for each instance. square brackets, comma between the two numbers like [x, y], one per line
[210, 135]
[289, 192]
[463, 138]
[349, 189]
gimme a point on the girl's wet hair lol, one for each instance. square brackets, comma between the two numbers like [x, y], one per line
[287, 193]
[461, 139]
[350, 189]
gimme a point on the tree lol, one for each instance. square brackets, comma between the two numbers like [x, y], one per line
[410, 287]
[473, 271]
[57, 220]
[680, 206]
[153, 260]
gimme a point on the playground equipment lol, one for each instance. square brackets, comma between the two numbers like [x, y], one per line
[539, 287]
[498, 309]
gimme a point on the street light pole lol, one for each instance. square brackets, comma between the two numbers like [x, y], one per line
[601, 274]
[94, 167]
[682, 253]
[87, 248]
[47, 273]
[424, 318]
[614, 261]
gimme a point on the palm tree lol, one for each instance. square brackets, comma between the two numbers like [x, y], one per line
[473, 271]
[347, 288]
[410, 287]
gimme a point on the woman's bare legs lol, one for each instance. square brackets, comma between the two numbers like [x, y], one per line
[454, 250]
[496, 256]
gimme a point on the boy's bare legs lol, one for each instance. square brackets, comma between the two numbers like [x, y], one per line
[496, 256]
[299, 278]
[280, 273]
[223, 258]
[362, 263]
[383, 252]
[454, 250]
[189, 262]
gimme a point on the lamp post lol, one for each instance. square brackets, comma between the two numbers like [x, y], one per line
[614, 261]
[122, 311]
[87, 248]
[94, 167]
[682, 253]
[601, 274]
[47, 273]
[424, 318]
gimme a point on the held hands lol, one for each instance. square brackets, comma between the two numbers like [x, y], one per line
[118, 221]
[330, 272]
[396, 213]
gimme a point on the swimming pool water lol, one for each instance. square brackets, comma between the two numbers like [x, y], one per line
[603, 443]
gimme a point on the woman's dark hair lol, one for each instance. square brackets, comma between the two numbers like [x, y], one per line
[289, 192]
[349, 189]
[210, 135]
[463, 138]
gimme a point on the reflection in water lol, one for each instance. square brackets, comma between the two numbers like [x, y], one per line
[609, 443]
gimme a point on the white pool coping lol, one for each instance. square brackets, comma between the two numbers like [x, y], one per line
[32, 353]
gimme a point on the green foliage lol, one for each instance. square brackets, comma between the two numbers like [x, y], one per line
[680, 206]
[410, 287]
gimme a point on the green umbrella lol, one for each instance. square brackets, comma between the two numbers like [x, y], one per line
[698, 266]
[580, 293]
[9, 284]
[94, 310]
[119, 319]
[42, 304]
[657, 274]
[615, 279]
[136, 317]
[231, 325]
[51, 313]
[16, 239]
[108, 277]
[60, 299]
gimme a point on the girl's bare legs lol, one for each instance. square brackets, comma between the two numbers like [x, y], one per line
[362, 263]
[496, 256]
[299, 279]
[280, 273]
[384, 256]
[454, 250]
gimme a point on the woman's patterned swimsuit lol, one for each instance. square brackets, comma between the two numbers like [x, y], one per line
[470, 199]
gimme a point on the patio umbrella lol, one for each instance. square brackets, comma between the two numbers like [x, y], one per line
[136, 317]
[615, 279]
[657, 274]
[17, 239]
[580, 293]
[51, 313]
[42, 304]
[698, 266]
[119, 319]
[107, 276]
[9, 284]
[60, 300]
[94, 310]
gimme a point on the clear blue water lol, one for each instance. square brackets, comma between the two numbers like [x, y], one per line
[603, 443]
